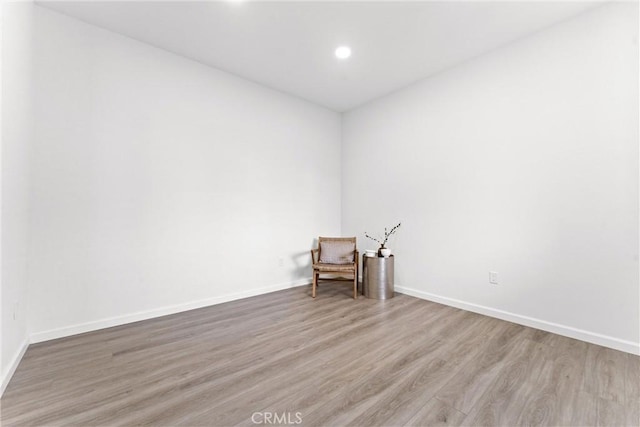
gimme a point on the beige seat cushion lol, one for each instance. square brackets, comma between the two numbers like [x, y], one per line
[337, 252]
[334, 267]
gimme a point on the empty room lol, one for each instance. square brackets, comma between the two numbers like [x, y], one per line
[320, 213]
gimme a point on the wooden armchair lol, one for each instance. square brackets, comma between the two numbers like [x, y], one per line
[335, 255]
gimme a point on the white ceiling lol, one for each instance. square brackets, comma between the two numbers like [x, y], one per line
[289, 46]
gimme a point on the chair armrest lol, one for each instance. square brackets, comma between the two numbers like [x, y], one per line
[314, 256]
[357, 256]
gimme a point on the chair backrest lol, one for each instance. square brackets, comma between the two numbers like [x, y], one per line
[337, 250]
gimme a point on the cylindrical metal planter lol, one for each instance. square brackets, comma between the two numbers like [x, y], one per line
[377, 277]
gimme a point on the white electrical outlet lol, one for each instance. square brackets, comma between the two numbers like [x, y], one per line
[493, 277]
[281, 262]
[16, 307]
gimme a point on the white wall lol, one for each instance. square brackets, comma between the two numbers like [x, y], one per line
[17, 120]
[160, 184]
[523, 161]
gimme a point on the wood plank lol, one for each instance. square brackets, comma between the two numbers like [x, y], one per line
[610, 413]
[555, 398]
[632, 390]
[602, 373]
[503, 401]
[397, 404]
[467, 386]
[436, 413]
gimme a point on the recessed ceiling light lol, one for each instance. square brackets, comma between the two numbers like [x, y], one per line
[343, 52]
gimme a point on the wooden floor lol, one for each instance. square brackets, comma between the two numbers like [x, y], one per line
[328, 361]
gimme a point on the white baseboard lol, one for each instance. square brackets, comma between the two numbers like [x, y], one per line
[6, 377]
[163, 311]
[567, 331]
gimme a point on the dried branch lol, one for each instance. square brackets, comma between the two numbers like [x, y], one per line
[372, 238]
[387, 234]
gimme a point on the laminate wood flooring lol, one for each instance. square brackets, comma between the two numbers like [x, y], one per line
[285, 358]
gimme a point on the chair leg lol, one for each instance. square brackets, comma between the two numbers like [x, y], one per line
[315, 283]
